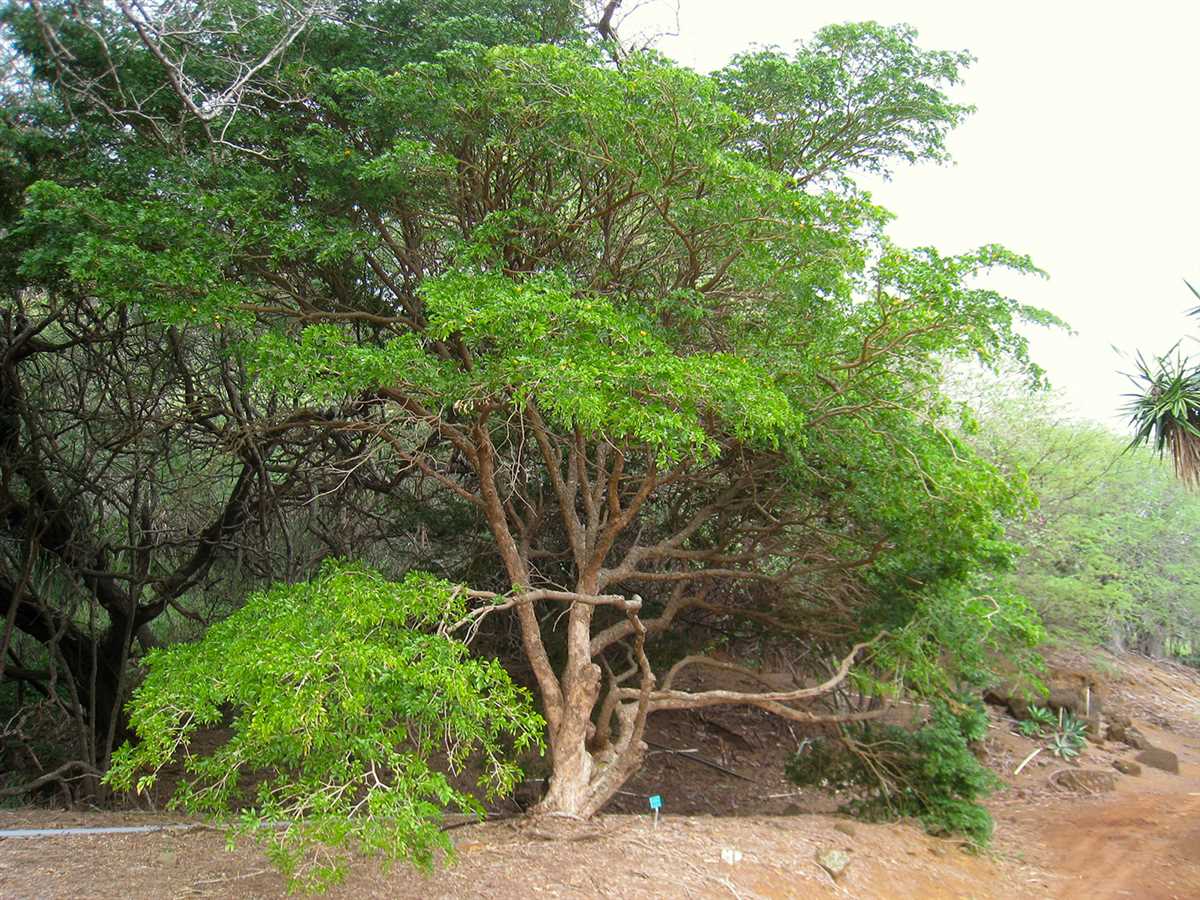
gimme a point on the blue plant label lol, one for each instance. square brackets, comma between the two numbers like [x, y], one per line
[656, 802]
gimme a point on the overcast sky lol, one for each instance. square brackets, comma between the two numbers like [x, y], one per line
[1084, 152]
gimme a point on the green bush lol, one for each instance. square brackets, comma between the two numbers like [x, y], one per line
[341, 689]
[929, 774]
[1043, 719]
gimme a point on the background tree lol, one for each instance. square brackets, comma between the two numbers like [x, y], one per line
[1109, 551]
[97, 425]
[146, 483]
[1165, 410]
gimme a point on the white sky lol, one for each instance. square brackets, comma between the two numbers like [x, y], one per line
[1084, 153]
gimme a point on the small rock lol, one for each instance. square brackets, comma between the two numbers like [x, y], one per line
[1159, 759]
[834, 862]
[1127, 767]
[1118, 726]
[1086, 781]
[1136, 739]
[846, 828]
[1066, 697]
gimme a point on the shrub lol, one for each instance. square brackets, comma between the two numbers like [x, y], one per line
[1070, 738]
[929, 774]
[341, 690]
[1042, 717]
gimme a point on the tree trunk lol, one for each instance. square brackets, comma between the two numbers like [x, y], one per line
[570, 782]
[587, 768]
[584, 775]
[94, 669]
[583, 781]
[572, 765]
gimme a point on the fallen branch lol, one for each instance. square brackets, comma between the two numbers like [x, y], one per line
[773, 701]
[59, 775]
[1027, 760]
[227, 878]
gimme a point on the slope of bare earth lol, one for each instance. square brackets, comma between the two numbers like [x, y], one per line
[1139, 840]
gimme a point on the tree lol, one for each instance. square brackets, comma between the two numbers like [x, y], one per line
[1107, 553]
[345, 687]
[636, 324]
[139, 471]
[1165, 410]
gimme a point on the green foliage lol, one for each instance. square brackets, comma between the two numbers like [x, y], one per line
[1108, 552]
[1041, 717]
[1029, 728]
[978, 624]
[1165, 409]
[929, 774]
[340, 691]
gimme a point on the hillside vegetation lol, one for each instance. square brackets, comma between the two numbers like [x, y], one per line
[397, 395]
[1109, 553]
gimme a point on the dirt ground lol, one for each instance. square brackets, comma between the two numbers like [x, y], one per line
[1139, 840]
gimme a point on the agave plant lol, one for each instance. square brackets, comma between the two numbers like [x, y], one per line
[1064, 747]
[1029, 728]
[1041, 716]
[1165, 409]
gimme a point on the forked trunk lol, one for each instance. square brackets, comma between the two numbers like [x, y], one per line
[570, 785]
[582, 783]
[588, 769]
[572, 765]
[585, 772]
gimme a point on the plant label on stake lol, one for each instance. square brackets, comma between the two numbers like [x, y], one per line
[656, 805]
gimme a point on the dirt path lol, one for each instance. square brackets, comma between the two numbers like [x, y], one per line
[1141, 840]
[1146, 847]
[614, 856]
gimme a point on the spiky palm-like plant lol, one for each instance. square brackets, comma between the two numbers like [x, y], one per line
[1165, 409]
